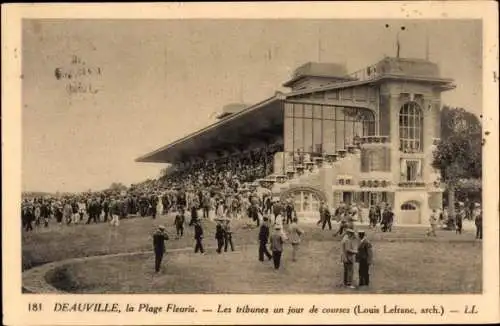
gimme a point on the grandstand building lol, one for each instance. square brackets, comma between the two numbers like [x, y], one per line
[363, 137]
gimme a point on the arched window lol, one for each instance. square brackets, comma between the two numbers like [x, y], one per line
[306, 201]
[410, 128]
[408, 207]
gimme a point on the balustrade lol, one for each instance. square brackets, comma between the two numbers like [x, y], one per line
[373, 140]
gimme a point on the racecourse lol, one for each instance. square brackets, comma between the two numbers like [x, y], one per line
[405, 261]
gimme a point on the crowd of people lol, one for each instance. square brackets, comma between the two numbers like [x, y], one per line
[214, 190]
[224, 173]
[86, 208]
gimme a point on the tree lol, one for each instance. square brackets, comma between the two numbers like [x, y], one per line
[458, 154]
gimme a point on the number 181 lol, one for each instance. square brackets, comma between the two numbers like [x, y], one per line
[34, 307]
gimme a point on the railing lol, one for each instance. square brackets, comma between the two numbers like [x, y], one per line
[411, 184]
[373, 140]
[367, 73]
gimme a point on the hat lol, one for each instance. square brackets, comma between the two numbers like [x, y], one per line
[361, 232]
[161, 227]
[461, 204]
[477, 204]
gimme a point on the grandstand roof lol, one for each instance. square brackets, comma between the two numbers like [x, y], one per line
[257, 122]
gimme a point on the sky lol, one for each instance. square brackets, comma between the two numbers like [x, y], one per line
[163, 79]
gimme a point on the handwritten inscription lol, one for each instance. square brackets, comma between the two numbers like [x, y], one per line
[79, 76]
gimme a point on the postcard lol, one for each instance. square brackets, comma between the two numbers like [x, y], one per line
[250, 163]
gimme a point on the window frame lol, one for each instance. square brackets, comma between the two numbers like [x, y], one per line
[410, 126]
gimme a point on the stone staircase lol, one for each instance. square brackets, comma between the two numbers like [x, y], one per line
[306, 174]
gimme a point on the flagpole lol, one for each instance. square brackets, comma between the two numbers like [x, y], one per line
[427, 43]
[319, 44]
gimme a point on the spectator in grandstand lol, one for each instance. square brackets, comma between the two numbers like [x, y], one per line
[159, 238]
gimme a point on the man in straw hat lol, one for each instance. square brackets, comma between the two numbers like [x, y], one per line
[159, 238]
[228, 234]
[277, 240]
[349, 251]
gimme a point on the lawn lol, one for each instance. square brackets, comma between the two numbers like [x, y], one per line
[406, 261]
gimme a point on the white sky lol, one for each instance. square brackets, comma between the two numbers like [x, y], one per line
[164, 79]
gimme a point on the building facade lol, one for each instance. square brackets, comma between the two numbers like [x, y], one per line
[365, 138]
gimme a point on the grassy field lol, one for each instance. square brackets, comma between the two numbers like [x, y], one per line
[406, 261]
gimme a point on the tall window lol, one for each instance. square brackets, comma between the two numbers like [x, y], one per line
[314, 128]
[369, 198]
[306, 201]
[410, 128]
[411, 170]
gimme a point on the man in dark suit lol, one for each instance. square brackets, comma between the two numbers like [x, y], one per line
[153, 202]
[198, 236]
[263, 239]
[194, 215]
[364, 258]
[290, 212]
[159, 238]
[277, 209]
[219, 236]
[387, 219]
[179, 223]
[326, 216]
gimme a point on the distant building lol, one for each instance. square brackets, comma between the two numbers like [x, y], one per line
[367, 137]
